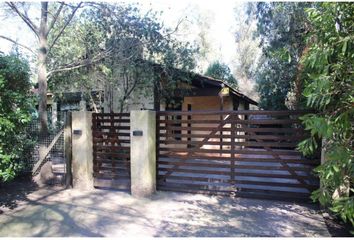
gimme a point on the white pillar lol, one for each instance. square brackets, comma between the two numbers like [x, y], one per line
[82, 158]
[143, 152]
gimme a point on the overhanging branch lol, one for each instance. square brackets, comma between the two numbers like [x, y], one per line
[24, 17]
[80, 63]
[65, 25]
[17, 43]
[55, 18]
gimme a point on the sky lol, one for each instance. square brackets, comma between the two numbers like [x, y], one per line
[220, 32]
[221, 26]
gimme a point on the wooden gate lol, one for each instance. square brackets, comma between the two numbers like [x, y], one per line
[111, 150]
[242, 153]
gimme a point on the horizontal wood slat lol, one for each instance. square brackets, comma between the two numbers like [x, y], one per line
[239, 112]
[164, 123]
[291, 137]
[237, 166]
[239, 158]
[228, 181]
[247, 189]
[229, 143]
[111, 150]
[252, 151]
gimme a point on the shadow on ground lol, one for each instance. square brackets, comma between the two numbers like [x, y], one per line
[12, 193]
[62, 213]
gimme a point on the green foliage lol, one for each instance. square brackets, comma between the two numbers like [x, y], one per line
[282, 28]
[121, 45]
[221, 71]
[15, 105]
[329, 90]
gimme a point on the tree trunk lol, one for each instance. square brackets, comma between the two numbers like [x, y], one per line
[42, 70]
[42, 89]
[299, 80]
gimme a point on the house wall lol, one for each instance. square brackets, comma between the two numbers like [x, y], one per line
[205, 103]
[142, 97]
[208, 103]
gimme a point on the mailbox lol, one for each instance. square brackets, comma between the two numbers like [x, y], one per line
[77, 131]
[137, 133]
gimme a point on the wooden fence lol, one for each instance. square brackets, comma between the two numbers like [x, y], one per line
[242, 153]
[111, 150]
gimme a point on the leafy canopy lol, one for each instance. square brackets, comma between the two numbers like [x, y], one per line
[221, 71]
[122, 45]
[282, 28]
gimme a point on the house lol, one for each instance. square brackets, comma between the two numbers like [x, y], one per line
[197, 93]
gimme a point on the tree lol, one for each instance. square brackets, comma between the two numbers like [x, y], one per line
[49, 17]
[15, 107]
[221, 71]
[247, 49]
[136, 43]
[329, 90]
[282, 28]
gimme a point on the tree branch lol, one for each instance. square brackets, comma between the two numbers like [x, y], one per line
[65, 25]
[180, 21]
[55, 17]
[24, 17]
[80, 64]
[17, 43]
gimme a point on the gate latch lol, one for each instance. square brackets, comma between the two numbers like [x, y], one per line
[137, 133]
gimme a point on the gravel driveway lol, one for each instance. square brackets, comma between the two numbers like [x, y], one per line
[62, 213]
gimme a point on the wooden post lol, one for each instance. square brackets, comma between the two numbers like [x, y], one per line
[221, 119]
[68, 150]
[233, 148]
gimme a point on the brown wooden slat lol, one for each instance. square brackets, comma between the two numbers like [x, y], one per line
[98, 134]
[112, 148]
[203, 187]
[263, 122]
[247, 144]
[114, 154]
[291, 137]
[116, 168]
[115, 161]
[229, 181]
[239, 112]
[111, 160]
[106, 127]
[239, 158]
[225, 151]
[228, 129]
[236, 166]
[108, 176]
[110, 140]
[116, 121]
[240, 194]
[98, 115]
[249, 174]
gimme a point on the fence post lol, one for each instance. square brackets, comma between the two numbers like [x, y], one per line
[82, 158]
[143, 153]
[68, 151]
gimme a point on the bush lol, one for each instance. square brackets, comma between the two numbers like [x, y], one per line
[329, 89]
[15, 107]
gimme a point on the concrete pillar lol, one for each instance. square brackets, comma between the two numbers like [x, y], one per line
[143, 152]
[82, 159]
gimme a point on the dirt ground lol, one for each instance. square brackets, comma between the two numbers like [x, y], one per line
[55, 212]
